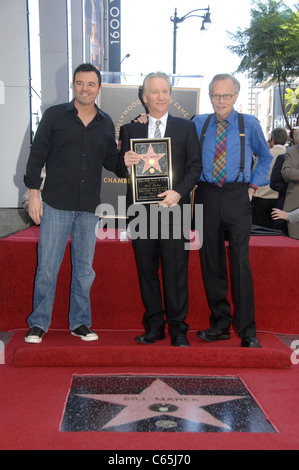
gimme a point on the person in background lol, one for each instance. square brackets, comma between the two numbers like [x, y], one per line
[265, 199]
[225, 189]
[291, 138]
[74, 140]
[291, 217]
[290, 173]
[277, 183]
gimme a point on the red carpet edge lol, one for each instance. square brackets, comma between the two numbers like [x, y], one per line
[164, 356]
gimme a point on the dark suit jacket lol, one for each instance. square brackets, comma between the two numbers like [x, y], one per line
[290, 173]
[185, 151]
[277, 183]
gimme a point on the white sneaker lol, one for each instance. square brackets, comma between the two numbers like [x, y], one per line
[34, 335]
[85, 333]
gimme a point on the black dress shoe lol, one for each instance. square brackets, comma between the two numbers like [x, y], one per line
[180, 340]
[150, 337]
[212, 334]
[250, 342]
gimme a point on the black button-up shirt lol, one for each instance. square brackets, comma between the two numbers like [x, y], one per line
[74, 155]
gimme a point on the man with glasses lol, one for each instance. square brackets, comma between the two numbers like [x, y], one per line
[225, 189]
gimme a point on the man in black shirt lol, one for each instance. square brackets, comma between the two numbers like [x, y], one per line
[74, 140]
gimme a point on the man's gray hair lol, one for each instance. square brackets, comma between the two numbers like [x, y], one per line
[156, 75]
[225, 76]
[280, 135]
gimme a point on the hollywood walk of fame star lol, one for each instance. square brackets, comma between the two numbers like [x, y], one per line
[151, 160]
[160, 399]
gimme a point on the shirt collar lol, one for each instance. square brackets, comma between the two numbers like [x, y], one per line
[230, 118]
[71, 107]
[279, 146]
[163, 119]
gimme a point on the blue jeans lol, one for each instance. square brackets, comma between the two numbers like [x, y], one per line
[55, 229]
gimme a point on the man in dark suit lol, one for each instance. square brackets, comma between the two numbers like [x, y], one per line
[185, 155]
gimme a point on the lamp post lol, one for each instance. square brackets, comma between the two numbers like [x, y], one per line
[206, 19]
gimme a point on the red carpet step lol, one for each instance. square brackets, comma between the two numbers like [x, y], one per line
[115, 295]
[118, 349]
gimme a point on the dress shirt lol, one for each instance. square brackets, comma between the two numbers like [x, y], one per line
[152, 126]
[74, 155]
[255, 142]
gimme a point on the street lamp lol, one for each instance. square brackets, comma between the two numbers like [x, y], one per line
[206, 19]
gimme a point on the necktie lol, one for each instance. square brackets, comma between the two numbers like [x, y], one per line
[157, 130]
[219, 171]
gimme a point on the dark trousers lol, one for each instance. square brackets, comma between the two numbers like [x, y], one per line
[261, 211]
[174, 259]
[227, 214]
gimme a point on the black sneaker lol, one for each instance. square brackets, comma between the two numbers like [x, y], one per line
[85, 333]
[34, 335]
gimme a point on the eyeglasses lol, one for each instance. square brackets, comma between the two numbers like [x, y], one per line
[225, 97]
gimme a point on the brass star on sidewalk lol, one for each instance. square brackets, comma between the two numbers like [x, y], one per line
[160, 399]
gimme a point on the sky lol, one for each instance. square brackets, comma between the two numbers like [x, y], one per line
[147, 35]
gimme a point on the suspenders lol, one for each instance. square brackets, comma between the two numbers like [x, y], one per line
[242, 141]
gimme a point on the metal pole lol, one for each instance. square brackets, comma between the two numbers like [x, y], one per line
[176, 20]
[174, 41]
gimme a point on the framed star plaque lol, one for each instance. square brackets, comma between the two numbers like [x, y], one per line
[153, 174]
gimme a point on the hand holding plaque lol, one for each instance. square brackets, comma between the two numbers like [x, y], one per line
[153, 174]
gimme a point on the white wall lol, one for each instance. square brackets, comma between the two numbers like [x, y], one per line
[56, 63]
[14, 102]
[54, 52]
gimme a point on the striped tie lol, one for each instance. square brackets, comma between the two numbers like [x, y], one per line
[219, 171]
[157, 130]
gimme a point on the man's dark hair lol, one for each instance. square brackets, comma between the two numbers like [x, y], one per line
[88, 68]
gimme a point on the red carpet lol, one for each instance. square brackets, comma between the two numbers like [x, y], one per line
[35, 379]
[33, 402]
[115, 296]
[118, 349]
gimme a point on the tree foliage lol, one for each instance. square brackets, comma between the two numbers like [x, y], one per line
[269, 47]
[292, 99]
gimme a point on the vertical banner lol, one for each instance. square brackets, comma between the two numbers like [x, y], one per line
[278, 117]
[92, 27]
[114, 35]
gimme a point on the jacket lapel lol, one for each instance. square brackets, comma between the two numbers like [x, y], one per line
[169, 126]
